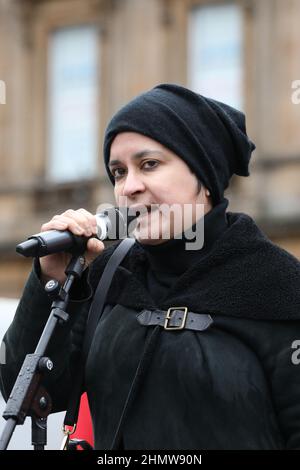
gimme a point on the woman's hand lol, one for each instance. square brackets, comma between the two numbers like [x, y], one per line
[79, 222]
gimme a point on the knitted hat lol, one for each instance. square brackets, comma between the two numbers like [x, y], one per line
[208, 135]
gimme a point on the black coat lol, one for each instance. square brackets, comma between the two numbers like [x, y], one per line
[231, 386]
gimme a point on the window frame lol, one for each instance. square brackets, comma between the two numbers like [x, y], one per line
[48, 17]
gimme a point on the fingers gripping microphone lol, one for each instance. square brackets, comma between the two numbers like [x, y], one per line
[112, 224]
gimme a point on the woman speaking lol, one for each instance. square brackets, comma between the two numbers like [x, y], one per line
[194, 347]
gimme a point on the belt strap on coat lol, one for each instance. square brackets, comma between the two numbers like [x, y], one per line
[175, 318]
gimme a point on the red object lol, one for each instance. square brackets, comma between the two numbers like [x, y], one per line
[84, 429]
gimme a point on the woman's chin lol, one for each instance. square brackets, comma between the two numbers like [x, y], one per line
[152, 230]
[143, 237]
[149, 241]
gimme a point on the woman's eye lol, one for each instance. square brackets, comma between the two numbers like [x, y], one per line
[117, 172]
[151, 164]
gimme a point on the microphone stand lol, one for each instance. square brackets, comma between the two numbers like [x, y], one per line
[28, 396]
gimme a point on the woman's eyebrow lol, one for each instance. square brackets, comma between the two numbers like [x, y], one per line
[137, 156]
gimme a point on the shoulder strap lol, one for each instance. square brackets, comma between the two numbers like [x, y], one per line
[101, 292]
[95, 313]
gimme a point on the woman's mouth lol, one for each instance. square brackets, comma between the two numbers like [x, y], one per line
[142, 210]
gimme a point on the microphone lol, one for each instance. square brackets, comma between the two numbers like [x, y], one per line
[112, 224]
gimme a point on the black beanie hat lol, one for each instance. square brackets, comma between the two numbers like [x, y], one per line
[208, 135]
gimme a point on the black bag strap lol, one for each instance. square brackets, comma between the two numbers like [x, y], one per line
[95, 313]
[97, 306]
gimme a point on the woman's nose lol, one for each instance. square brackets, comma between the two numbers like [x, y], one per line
[133, 184]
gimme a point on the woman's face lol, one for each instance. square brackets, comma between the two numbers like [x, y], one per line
[147, 173]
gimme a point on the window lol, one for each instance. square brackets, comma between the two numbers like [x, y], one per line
[73, 111]
[215, 44]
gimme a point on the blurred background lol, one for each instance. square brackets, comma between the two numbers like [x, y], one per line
[66, 66]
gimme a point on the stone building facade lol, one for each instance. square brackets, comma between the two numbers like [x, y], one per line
[135, 44]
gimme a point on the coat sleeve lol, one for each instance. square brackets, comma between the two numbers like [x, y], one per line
[272, 342]
[282, 368]
[64, 348]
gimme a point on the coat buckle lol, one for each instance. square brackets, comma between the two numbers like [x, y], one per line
[169, 316]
